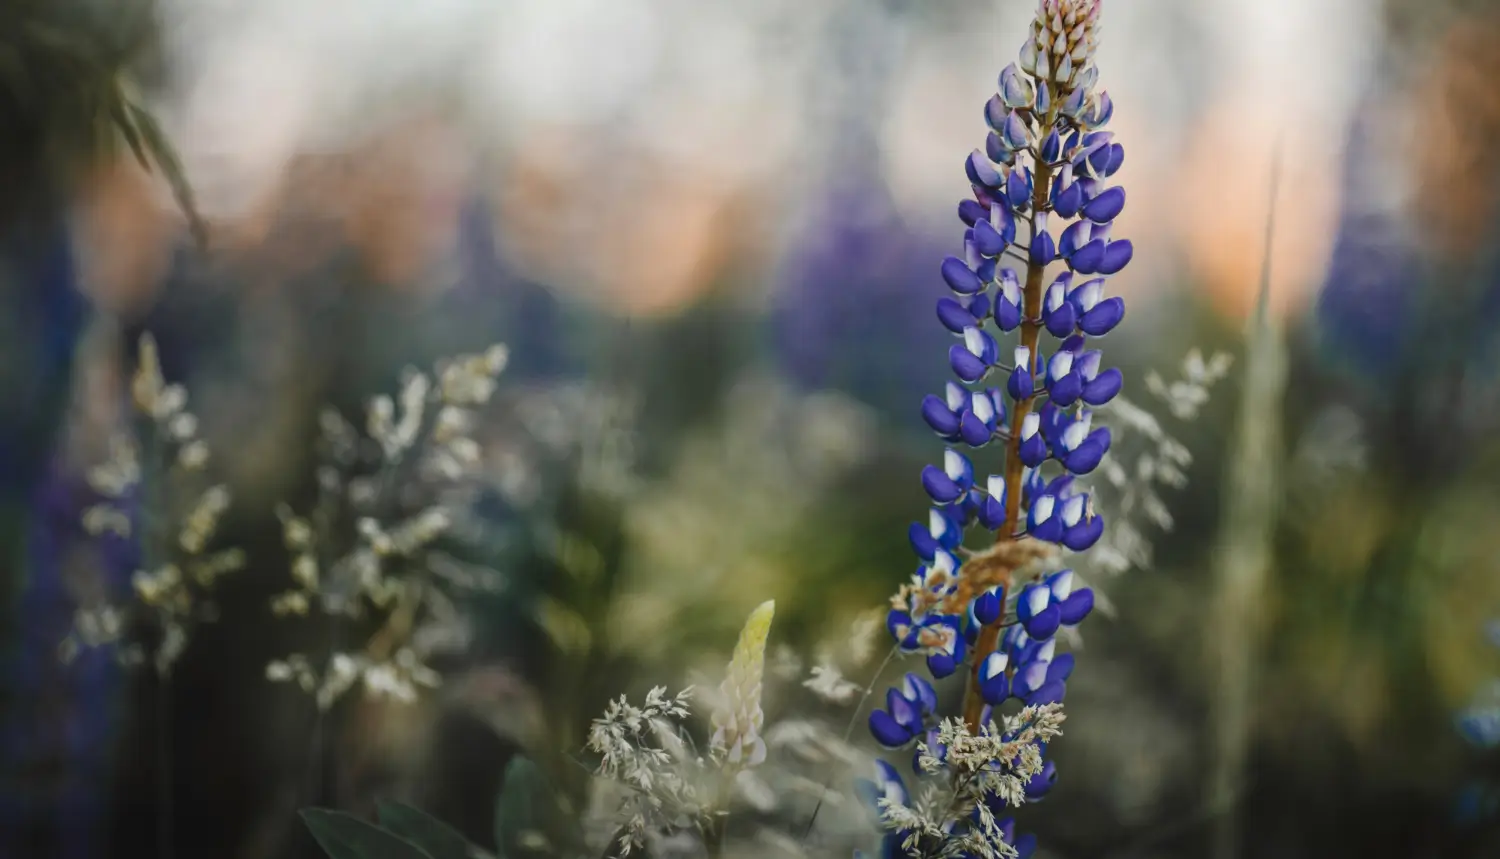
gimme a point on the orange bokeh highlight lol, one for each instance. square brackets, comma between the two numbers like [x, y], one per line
[642, 236]
[1223, 191]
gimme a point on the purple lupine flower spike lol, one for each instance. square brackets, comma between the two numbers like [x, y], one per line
[1047, 163]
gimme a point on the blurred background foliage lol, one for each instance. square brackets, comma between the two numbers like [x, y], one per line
[708, 234]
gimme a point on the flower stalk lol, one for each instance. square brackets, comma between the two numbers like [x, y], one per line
[992, 611]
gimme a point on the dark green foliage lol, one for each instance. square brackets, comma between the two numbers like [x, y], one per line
[344, 836]
[438, 839]
[67, 97]
[526, 814]
[527, 824]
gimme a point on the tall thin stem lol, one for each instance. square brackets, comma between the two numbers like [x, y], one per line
[1244, 555]
[164, 810]
[849, 731]
[1031, 329]
[153, 552]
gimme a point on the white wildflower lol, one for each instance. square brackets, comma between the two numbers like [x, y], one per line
[193, 455]
[289, 603]
[207, 570]
[198, 527]
[738, 722]
[121, 472]
[106, 518]
[863, 635]
[182, 427]
[979, 765]
[153, 396]
[828, 683]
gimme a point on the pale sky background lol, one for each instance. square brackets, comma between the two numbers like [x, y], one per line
[694, 104]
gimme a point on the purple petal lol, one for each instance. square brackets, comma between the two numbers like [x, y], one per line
[981, 172]
[1018, 190]
[1102, 114]
[991, 514]
[941, 665]
[907, 713]
[1099, 161]
[1061, 667]
[1020, 385]
[979, 306]
[970, 211]
[994, 147]
[1116, 159]
[942, 419]
[1041, 784]
[921, 541]
[1015, 135]
[995, 112]
[1104, 387]
[1104, 317]
[1077, 606]
[1075, 233]
[1043, 249]
[1068, 200]
[1064, 392]
[1033, 451]
[887, 731]
[942, 488]
[1004, 221]
[1052, 147]
[1084, 535]
[987, 239]
[987, 608]
[959, 277]
[973, 431]
[965, 364]
[898, 624]
[1050, 692]
[1086, 457]
[1116, 256]
[996, 689]
[954, 316]
[1105, 207]
[1087, 258]
[1007, 314]
[1061, 322]
[1044, 623]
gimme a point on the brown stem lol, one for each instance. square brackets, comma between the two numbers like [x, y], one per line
[1031, 327]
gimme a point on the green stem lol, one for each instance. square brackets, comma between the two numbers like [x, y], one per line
[154, 551]
[713, 837]
[848, 731]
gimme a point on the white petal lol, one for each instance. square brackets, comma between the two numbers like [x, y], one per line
[1042, 509]
[1037, 599]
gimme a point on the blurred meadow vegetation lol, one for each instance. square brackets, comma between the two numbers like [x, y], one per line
[650, 478]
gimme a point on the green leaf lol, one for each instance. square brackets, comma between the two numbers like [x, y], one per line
[439, 839]
[162, 152]
[344, 836]
[519, 817]
[119, 113]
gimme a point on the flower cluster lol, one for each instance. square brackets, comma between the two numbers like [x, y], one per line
[373, 544]
[1046, 168]
[988, 772]
[669, 785]
[739, 718]
[146, 497]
